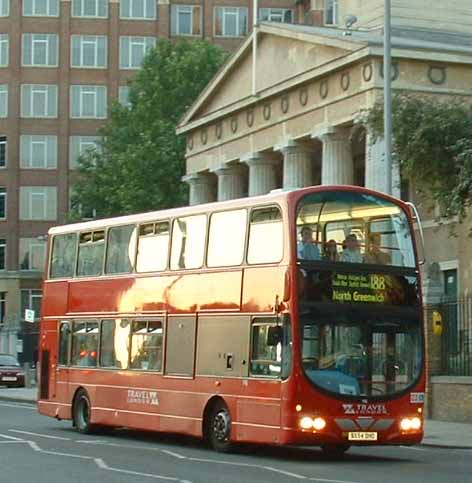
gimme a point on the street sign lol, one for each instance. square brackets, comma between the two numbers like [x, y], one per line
[29, 315]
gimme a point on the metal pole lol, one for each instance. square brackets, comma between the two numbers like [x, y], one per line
[387, 73]
[254, 48]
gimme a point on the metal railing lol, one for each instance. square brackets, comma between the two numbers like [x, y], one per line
[455, 337]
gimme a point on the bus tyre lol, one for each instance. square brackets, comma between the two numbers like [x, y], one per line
[335, 450]
[82, 413]
[219, 428]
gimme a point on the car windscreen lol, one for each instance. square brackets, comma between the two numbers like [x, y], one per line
[6, 360]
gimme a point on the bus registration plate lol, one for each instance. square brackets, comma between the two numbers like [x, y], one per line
[362, 436]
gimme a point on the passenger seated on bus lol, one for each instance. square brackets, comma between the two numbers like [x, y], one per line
[374, 253]
[330, 251]
[307, 248]
[351, 253]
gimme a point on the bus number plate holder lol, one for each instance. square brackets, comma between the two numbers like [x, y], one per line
[362, 436]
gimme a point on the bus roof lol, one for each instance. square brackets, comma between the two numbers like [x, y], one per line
[278, 195]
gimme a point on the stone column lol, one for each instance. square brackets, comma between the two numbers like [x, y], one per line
[202, 188]
[231, 182]
[298, 166]
[375, 168]
[262, 173]
[337, 166]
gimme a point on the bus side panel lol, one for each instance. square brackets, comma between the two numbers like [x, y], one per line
[263, 288]
[182, 293]
[55, 298]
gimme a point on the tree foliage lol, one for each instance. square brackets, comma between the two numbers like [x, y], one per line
[140, 160]
[433, 143]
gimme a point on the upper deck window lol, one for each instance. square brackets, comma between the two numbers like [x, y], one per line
[121, 249]
[91, 251]
[353, 228]
[63, 256]
[188, 242]
[227, 238]
[153, 247]
[265, 236]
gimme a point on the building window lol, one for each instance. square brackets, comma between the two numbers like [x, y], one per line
[32, 254]
[31, 299]
[41, 8]
[3, 101]
[40, 50]
[38, 100]
[89, 51]
[90, 8]
[4, 50]
[4, 8]
[123, 96]
[3, 306]
[331, 12]
[3, 151]
[133, 50]
[276, 15]
[230, 21]
[138, 9]
[3, 254]
[186, 20]
[88, 102]
[38, 203]
[38, 152]
[78, 145]
[3, 203]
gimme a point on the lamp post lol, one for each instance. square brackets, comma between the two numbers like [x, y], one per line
[387, 74]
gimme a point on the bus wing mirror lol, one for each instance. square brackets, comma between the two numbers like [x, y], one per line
[274, 335]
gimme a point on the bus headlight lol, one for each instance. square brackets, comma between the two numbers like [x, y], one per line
[407, 424]
[319, 424]
[306, 423]
[312, 423]
[415, 423]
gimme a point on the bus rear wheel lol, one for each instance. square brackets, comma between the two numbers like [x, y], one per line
[335, 450]
[219, 428]
[82, 411]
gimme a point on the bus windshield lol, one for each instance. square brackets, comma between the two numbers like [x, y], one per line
[352, 227]
[358, 355]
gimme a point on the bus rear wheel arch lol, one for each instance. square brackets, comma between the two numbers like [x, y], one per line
[82, 412]
[217, 425]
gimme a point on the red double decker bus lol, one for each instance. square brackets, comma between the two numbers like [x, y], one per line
[290, 318]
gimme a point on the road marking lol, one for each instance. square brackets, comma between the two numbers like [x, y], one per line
[11, 437]
[98, 461]
[90, 441]
[172, 453]
[39, 434]
[101, 464]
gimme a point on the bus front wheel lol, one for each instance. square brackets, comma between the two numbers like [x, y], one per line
[334, 450]
[219, 428]
[82, 412]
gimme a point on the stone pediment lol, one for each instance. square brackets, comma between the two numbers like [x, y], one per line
[284, 52]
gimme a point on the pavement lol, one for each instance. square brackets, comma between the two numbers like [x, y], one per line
[440, 434]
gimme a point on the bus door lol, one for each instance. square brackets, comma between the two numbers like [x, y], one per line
[265, 371]
[60, 373]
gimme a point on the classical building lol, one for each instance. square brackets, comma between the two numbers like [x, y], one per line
[292, 117]
[62, 62]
